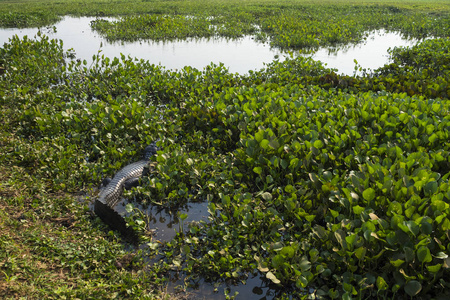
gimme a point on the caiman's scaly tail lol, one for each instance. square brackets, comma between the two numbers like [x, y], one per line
[111, 194]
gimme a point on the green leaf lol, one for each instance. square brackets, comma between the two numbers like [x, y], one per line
[289, 189]
[305, 265]
[264, 144]
[129, 208]
[430, 188]
[288, 251]
[369, 194]
[413, 287]
[360, 253]
[266, 196]
[397, 263]
[381, 283]
[435, 268]
[259, 136]
[423, 254]
[318, 144]
[257, 170]
[278, 261]
[284, 163]
[183, 216]
[413, 227]
[357, 209]
[294, 162]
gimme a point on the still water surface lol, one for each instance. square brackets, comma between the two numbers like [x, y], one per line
[237, 55]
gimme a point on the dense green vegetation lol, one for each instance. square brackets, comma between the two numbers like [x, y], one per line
[329, 186]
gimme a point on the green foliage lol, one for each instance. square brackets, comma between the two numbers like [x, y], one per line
[23, 20]
[293, 26]
[163, 27]
[317, 181]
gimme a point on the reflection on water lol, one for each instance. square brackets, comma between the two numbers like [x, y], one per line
[238, 56]
[371, 54]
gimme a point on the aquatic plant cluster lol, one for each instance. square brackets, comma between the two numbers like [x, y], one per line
[290, 26]
[330, 186]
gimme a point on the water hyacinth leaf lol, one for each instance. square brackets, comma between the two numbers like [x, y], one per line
[397, 263]
[302, 282]
[257, 170]
[395, 208]
[435, 268]
[351, 240]
[357, 210]
[283, 163]
[274, 144]
[413, 287]
[294, 162]
[318, 144]
[129, 208]
[320, 232]
[430, 188]
[369, 194]
[266, 196]
[381, 283]
[262, 265]
[289, 188]
[360, 253]
[424, 254]
[288, 251]
[413, 227]
[278, 261]
[340, 237]
[264, 144]
[259, 136]
[313, 177]
[334, 294]
[305, 265]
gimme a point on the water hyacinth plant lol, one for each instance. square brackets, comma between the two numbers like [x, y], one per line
[325, 185]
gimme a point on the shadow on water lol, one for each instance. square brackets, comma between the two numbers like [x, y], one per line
[255, 287]
[165, 222]
[239, 56]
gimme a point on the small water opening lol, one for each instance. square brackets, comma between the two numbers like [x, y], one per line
[165, 222]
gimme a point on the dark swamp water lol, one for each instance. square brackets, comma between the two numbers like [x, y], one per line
[238, 56]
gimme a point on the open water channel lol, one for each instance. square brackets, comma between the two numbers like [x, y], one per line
[239, 56]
